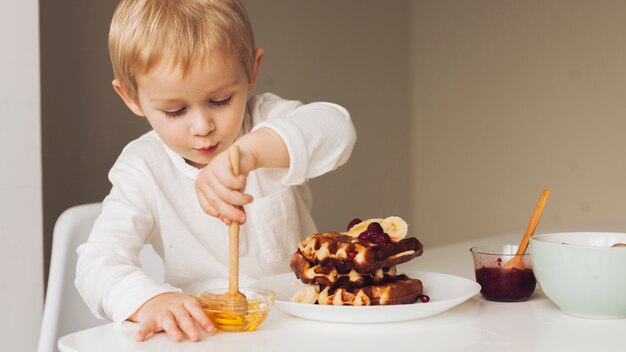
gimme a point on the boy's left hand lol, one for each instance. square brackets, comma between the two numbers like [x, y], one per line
[220, 192]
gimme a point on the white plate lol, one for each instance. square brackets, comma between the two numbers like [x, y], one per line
[445, 291]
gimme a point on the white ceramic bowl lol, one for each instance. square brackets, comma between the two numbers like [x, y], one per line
[581, 273]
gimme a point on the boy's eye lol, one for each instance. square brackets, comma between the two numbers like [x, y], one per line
[221, 102]
[174, 113]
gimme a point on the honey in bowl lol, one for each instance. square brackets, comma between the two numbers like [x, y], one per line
[225, 317]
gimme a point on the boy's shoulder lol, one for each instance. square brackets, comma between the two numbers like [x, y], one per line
[269, 101]
[148, 140]
[147, 147]
[268, 105]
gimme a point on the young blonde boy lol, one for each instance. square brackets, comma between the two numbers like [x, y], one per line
[188, 67]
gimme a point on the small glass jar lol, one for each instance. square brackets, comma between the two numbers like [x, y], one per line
[499, 283]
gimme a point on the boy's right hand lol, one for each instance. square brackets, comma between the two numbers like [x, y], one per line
[174, 313]
[220, 192]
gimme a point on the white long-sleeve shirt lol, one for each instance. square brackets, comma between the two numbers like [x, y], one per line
[153, 201]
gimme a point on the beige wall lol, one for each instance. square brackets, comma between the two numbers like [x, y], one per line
[510, 97]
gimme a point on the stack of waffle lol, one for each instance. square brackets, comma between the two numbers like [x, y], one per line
[345, 270]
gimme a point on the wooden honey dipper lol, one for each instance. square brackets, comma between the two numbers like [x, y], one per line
[235, 301]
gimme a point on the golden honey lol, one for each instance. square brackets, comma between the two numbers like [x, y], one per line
[225, 317]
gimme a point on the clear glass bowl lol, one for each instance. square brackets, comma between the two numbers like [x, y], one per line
[227, 318]
[503, 284]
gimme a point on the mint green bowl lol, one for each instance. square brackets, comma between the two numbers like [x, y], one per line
[581, 273]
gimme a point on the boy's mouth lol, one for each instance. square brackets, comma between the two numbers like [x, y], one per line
[208, 150]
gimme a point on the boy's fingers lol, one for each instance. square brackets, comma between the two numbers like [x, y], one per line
[198, 314]
[212, 194]
[187, 325]
[223, 211]
[236, 182]
[236, 198]
[245, 216]
[225, 194]
[171, 327]
[232, 213]
[206, 207]
[146, 330]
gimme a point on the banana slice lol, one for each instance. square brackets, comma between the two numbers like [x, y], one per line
[395, 227]
[323, 296]
[307, 294]
[356, 230]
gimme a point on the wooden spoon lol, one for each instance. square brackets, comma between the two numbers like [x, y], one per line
[235, 300]
[516, 262]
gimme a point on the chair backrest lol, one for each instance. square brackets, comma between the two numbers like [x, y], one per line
[64, 309]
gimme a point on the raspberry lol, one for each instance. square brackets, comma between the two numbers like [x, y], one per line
[424, 298]
[380, 238]
[374, 237]
[366, 235]
[384, 238]
[351, 255]
[353, 222]
[375, 227]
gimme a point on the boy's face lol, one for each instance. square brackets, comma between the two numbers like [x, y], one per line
[197, 116]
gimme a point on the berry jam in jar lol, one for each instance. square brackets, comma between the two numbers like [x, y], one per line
[506, 285]
[499, 283]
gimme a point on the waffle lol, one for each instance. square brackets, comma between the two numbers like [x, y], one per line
[346, 253]
[327, 275]
[399, 290]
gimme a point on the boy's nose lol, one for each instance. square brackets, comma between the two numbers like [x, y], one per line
[203, 124]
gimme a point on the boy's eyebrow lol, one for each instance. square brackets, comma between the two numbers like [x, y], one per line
[213, 92]
[165, 100]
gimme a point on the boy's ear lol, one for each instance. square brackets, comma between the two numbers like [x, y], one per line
[134, 107]
[258, 56]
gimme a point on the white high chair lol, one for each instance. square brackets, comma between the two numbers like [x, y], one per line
[64, 310]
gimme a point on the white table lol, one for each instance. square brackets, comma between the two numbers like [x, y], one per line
[476, 325]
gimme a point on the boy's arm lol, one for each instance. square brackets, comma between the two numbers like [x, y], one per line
[319, 137]
[306, 140]
[109, 276]
[262, 148]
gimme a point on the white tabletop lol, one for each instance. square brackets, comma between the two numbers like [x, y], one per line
[475, 325]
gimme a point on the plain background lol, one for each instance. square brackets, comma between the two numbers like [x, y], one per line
[465, 111]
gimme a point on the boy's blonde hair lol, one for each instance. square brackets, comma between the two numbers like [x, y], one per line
[146, 32]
